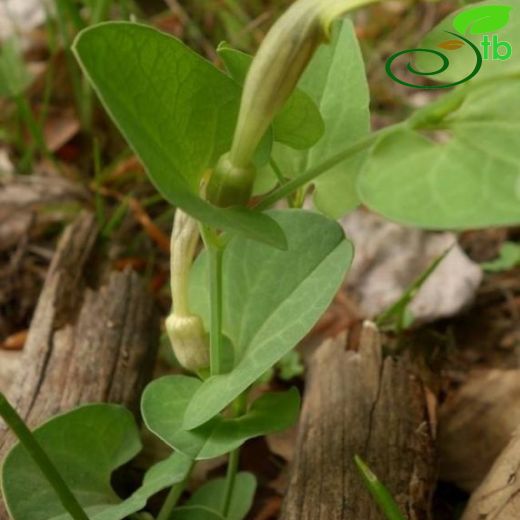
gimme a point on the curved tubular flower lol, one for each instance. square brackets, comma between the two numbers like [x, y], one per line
[273, 76]
[185, 330]
[278, 66]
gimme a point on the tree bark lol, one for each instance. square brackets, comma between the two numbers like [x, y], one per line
[356, 402]
[85, 344]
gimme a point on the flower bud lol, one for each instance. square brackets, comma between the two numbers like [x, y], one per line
[189, 341]
[277, 67]
[230, 185]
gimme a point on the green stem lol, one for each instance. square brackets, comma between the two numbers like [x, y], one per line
[310, 175]
[36, 452]
[215, 252]
[27, 149]
[65, 11]
[173, 497]
[231, 475]
[235, 8]
[240, 407]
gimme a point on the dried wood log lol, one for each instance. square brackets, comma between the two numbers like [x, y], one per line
[22, 195]
[356, 402]
[85, 344]
[478, 419]
[498, 497]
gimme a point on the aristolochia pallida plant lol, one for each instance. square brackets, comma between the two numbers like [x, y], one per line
[224, 148]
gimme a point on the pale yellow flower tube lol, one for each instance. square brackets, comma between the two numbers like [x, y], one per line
[186, 331]
[278, 66]
[275, 71]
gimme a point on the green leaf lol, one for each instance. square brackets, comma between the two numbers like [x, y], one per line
[196, 513]
[336, 81]
[161, 476]
[87, 445]
[175, 109]
[290, 366]
[299, 124]
[468, 179]
[165, 401]
[482, 19]
[509, 258]
[462, 61]
[211, 495]
[271, 299]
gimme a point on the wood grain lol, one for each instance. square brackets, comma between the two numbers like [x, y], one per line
[356, 402]
[88, 341]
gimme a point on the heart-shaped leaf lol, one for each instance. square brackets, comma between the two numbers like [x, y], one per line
[299, 124]
[211, 495]
[175, 109]
[482, 19]
[462, 62]
[165, 401]
[271, 299]
[470, 179]
[336, 81]
[86, 445]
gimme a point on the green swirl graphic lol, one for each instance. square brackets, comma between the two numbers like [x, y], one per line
[442, 68]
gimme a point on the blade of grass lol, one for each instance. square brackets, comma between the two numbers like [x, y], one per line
[395, 317]
[100, 11]
[41, 459]
[380, 494]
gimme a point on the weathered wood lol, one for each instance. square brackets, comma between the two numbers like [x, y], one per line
[85, 344]
[498, 497]
[358, 403]
[479, 418]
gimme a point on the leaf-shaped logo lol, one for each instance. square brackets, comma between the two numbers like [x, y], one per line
[451, 45]
[483, 19]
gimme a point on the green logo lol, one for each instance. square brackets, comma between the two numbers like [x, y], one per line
[476, 21]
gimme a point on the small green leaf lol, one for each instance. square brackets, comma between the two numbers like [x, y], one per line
[175, 109]
[290, 366]
[469, 179]
[509, 258]
[483, 19]
[336, 81]
[271, 300]
[87, 445]
[211, 495]
[299, 124]
[165, 401]
[237, 63]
